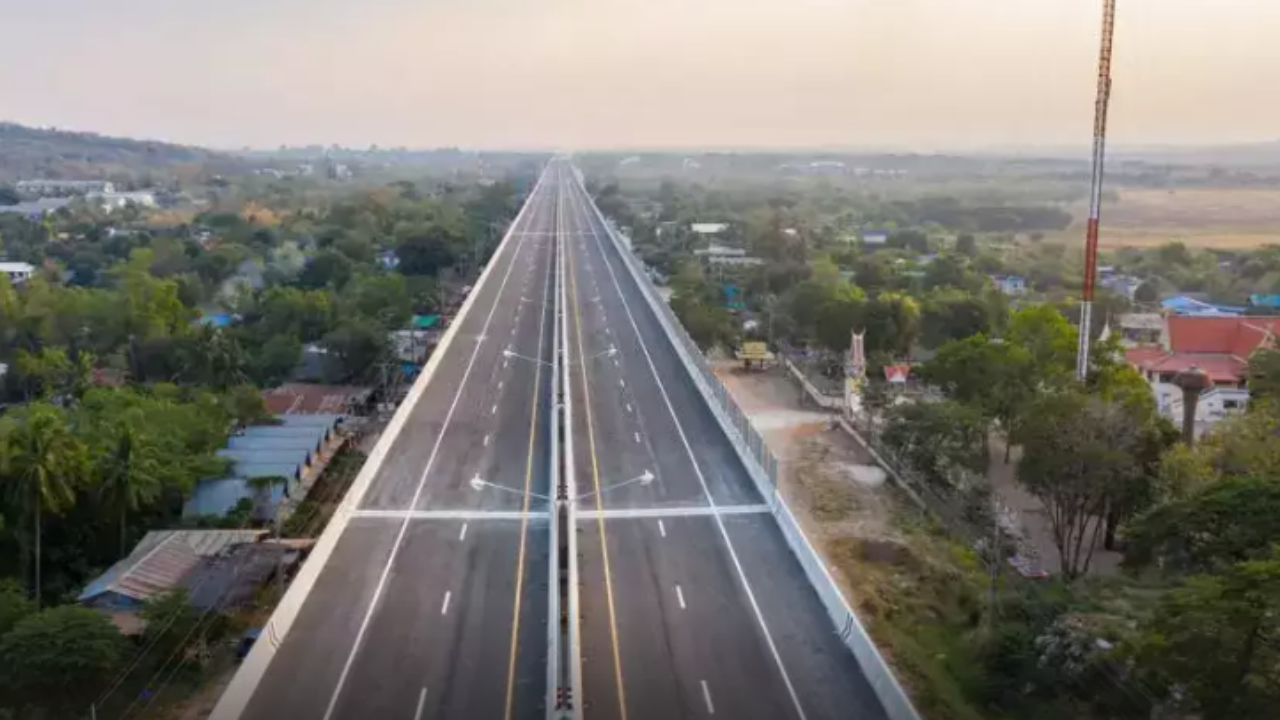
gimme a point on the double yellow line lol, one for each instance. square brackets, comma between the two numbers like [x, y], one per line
[595, 479]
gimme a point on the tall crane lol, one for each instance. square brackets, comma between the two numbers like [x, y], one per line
[1095, 195]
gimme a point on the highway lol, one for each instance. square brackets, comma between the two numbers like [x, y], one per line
[434, 602]
[692, 605]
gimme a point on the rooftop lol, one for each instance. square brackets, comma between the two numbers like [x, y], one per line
[163, 561]
[312, 399]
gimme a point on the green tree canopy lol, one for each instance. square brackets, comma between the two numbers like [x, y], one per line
[59, 659]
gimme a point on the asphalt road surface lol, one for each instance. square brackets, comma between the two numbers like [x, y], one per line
[692, 604]
[434, 603]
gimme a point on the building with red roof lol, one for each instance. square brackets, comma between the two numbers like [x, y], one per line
[1220, 346]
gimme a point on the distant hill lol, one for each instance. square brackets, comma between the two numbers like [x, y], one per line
[27, 152]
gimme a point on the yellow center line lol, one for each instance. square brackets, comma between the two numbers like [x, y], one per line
[595, 478]
[524, 522]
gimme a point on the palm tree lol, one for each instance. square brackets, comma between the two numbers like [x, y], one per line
[131, 475]
[43, 462]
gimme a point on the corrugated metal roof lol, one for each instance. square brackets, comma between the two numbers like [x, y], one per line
[163, 560]
[217, 497]
[294, 458]
[307, 442]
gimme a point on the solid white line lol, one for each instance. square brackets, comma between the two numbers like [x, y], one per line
[463, 535]
[444, 609]
[724, 533]
[706, 695]
[680, 597]
[417, 494]
[446, 514]
[662, 529]
[422, 701]
[676, 512]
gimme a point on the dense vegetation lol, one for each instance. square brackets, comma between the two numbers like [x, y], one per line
[118, 390]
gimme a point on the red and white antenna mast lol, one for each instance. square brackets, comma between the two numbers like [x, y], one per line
[1095, 195]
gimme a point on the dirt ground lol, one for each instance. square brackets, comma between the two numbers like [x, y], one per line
[830, 482]
[835, 487]
[1209, 218]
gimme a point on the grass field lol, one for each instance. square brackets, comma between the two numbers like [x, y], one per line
[1200, 217]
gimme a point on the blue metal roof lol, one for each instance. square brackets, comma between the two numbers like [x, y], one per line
[217, 497]
[276, 443]
[293, 458]
[262, 451]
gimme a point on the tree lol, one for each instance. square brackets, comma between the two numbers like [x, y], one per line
[358, 346]
[44, 462]
[129, 471]
[329, 268]
[426, 253]
[1078, 452]
[1051, 341]
[1264, 376]
[1226, 522]
[59, 659]
[966, 245]
[14, 605]
[953, 315]
[9, 196]
[934, 437]
[996, 378]
[1215, 639]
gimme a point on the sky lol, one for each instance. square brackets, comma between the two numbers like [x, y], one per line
[589, 74]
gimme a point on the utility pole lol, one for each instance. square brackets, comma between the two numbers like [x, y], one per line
[1095, 195]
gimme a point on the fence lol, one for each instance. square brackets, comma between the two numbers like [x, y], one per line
[762, 466]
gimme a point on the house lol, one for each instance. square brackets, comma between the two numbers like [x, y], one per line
[219, 569]
[875, 237]
[721, 255]
[1218, 345]
[1012, 285]
[17, 272]
[62, 188]
[36, 209]
[708, 228]
[312, 399]
[166, 560]
[258, 452]
[119, 200]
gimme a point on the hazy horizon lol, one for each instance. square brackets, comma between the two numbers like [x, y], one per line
[904, 75]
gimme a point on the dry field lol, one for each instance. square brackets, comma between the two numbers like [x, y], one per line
[1200, 217]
